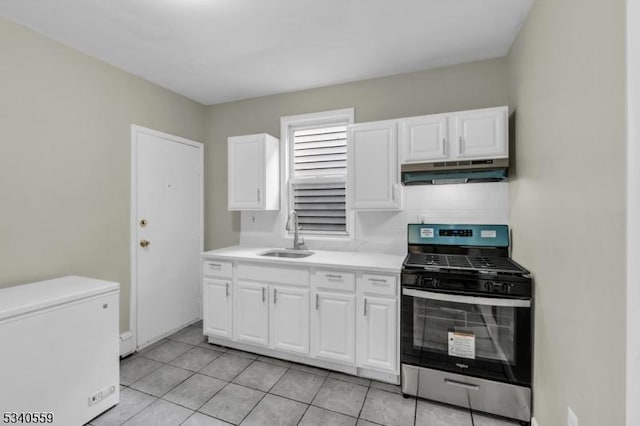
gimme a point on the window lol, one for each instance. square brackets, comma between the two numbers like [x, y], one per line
[317, 170]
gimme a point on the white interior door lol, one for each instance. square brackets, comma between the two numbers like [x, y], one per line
[166, 233]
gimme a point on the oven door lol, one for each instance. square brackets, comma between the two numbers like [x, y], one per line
[484, 337]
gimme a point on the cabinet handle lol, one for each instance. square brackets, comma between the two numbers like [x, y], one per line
[317, 301]
[258, 190]
[393, 192]
[215, 266]
[378, 280]
[275, 295]
[444, 147]
[461, 145]
[365, 306]
[334, 277]
[263, 296]
[227, 288]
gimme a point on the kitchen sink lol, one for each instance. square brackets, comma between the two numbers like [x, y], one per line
[294, 254]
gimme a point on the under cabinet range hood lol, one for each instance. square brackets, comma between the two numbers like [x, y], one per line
[447, 172]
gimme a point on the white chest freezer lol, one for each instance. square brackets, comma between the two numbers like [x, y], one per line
[59, 350]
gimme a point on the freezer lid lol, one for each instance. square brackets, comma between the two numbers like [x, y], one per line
[22, 299]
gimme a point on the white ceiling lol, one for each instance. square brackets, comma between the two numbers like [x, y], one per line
[216, 51]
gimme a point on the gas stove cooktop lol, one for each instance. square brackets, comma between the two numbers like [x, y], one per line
[462, 262]
[482, 249]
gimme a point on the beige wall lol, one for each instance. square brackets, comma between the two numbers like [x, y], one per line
[468, 86]
[65, 159]
[568, 203]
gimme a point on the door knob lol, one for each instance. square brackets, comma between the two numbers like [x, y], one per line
[144, 243]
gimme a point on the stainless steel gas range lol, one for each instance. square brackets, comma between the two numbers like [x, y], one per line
[467, 316]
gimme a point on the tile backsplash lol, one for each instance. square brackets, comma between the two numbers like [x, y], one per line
[385, 232]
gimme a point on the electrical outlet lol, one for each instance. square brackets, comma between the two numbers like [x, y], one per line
[572, 419]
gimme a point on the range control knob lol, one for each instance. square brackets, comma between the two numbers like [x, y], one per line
[507, 287]
[488, 286]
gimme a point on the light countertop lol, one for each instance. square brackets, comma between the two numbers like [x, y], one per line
[374, 262]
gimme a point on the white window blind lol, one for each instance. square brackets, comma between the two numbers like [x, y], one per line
[320, 151]
[320, 207]
[319, 171]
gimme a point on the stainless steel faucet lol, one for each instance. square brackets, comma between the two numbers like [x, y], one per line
[298, 240]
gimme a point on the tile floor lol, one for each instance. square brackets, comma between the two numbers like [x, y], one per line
[183, 380]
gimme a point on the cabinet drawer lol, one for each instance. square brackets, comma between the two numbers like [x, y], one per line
[335, 280]
[275, 274]
[378, 284]
[216, 268]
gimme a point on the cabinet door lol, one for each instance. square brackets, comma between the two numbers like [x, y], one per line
[246, 172]
[251, 313]
[481, 133]
[373, 172]
[289, 319]
[424, 139]
[377, 333]
[217, 308]
[333, 327]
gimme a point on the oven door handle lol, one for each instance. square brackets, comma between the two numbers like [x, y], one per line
[469, 300]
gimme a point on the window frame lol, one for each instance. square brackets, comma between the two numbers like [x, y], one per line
[287, 126]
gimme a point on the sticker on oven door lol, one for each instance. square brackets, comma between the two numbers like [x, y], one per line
[462, 345]
[426, 232]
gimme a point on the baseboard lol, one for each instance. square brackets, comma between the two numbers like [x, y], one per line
[534, 422]
[393, 379]
[127, 347]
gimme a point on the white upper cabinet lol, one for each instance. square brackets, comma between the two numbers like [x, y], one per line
[254, 182]
[424, 138]
[372, 170]
[481, 133]
[465, 135]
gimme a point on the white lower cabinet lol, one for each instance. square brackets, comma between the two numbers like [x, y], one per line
[218, 307]
[377, 324]
[377, 333]
[289, 319]
[251, 311]
[333, 327]
[331, 318]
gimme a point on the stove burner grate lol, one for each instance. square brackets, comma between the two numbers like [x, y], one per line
[427, 259]
[453, 261]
